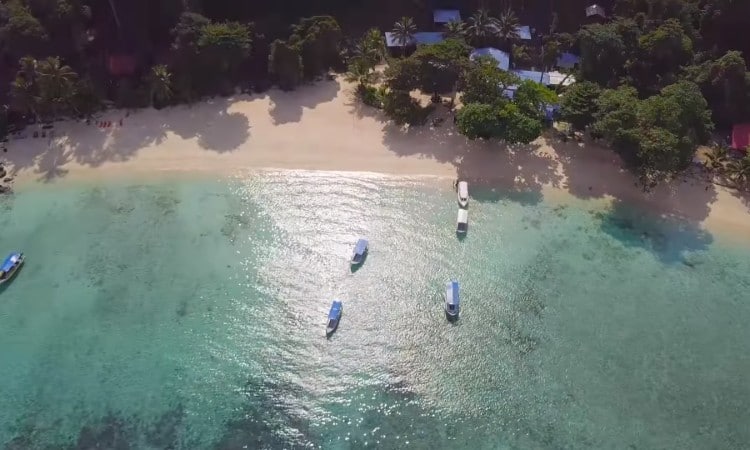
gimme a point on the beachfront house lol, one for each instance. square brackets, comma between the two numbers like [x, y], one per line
[595, 13]
[524, 32]
[741, 137]
[555, 79]
[443, 16]
[502, 58]
[420, 38]
[568, 61]
[532, 75]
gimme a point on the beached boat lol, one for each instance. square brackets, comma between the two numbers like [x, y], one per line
[10, 266]
[462, 222]
[360, 252]
[333, 317]
[463, 194]
[451, 300]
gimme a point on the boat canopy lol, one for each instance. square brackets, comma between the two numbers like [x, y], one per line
[10, 261]
[361, 246]
[335, 310]
[452, 289]
[463, 189]
[463, 216]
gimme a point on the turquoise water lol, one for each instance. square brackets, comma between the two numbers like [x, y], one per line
[191, 314]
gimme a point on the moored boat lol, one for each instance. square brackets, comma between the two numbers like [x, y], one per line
[360, 252]
[451, 300]
[462, 222]
[10, 266]
[462, 192]
[334, 315]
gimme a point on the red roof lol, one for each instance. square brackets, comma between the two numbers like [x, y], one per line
[120, 65]
[741, 136]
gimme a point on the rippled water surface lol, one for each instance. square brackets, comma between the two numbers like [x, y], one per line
[191, 314]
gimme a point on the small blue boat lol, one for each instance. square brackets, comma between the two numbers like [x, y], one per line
[451, 300]
[10, 266]
[333, 317]
[360, 252]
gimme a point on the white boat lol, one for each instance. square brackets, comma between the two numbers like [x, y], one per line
[462, 222]
[360, 252]
[451, 300]
[463, 194]
[10, 266]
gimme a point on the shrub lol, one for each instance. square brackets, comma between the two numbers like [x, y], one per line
[403, 109]
[370, 96]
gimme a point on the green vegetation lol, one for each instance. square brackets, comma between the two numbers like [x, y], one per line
[653, 78]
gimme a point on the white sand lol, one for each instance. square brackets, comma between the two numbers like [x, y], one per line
[322, 127]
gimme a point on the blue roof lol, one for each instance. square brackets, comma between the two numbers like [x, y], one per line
[446, 15]
[361, 246]
[568, 60]
[502, 58]
[537, 77]
[390, 40]
[10, 261]
[429, 37]
[524, 32]
[422, 37]
[335, 310]
[550, 110]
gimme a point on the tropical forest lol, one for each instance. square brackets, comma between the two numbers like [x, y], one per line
[655, 80]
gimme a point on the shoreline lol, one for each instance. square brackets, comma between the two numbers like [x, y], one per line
[323, 127]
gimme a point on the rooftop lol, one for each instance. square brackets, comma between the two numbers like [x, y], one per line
[741, 136]
[595, 10]
[524, 32]
[422, 37]
[502, 58]
[533, 75]
[446, 15]
[568, 60]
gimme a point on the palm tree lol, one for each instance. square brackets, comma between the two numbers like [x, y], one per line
[23, 96]
[27, 68]
[739, 170]
[373, 47]
[160, 82]
[507, 28]
[403, 31]
[56, 84]
[359, 71]
[481, 27]
[507, 31]
[454, 29]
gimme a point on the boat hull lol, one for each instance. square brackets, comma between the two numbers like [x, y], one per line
[12, 272]
[331, 328]
[451, 316]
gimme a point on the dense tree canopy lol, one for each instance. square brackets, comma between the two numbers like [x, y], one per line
[657, 135]
[441, 65]
[652, 78]
[483, 82]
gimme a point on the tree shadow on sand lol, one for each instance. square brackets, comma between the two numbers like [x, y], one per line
[501, 171]
[287, 107]
[665, 219]
[210, 122]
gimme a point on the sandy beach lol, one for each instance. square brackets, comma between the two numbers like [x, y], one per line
[322, 127]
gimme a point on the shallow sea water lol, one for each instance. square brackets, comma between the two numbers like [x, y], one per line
[191, 314]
